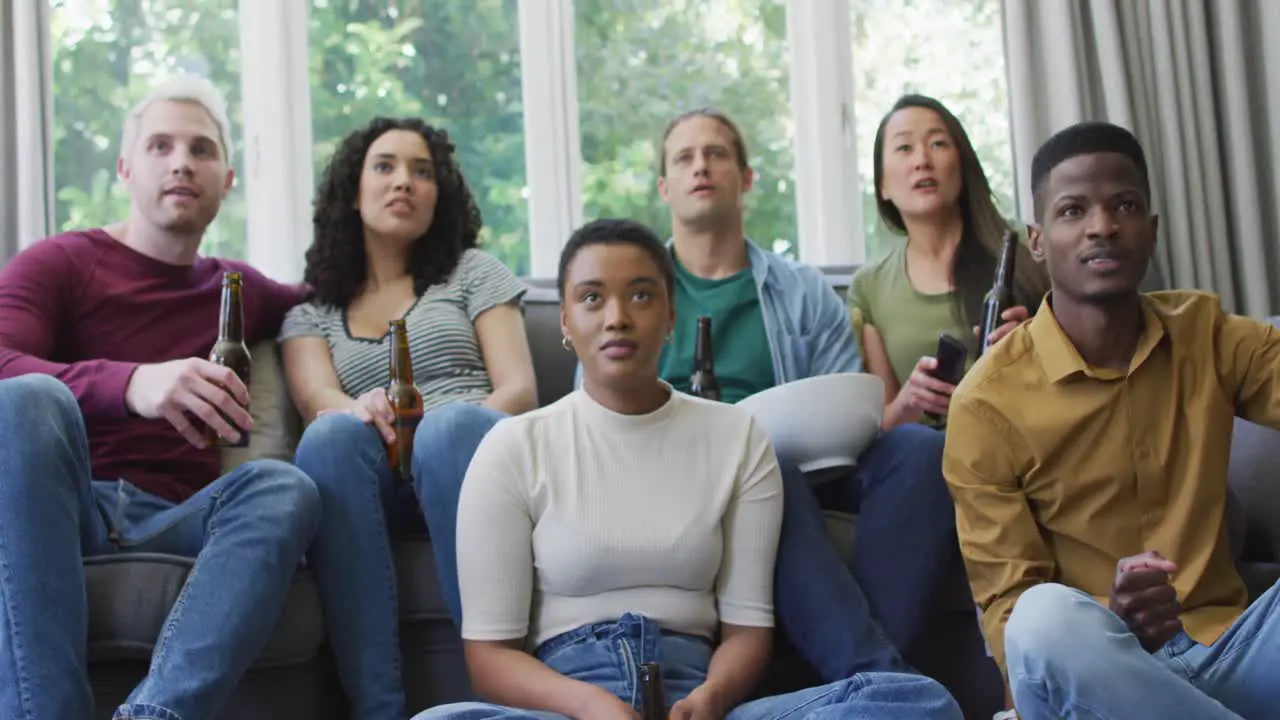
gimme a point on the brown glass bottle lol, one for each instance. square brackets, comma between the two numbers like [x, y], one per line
[703, 382]
[653, 699]
[230, 350]
[1000, 296]
[406, 403]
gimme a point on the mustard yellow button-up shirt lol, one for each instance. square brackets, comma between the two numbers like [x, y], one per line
[1059, 469]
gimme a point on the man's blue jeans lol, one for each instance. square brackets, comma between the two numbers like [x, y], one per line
[247, 531]
[1070, 657]
[609, 655]
[845, 620]
[819, 603]
[364, 507]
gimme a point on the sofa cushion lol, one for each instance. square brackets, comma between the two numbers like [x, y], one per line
[276, 425]
[130, 595]
[1255, 477]
[553, 366]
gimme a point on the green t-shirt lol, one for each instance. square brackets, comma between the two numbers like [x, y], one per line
[744, 362]
[908, 320]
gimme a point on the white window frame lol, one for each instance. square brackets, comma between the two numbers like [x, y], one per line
[552, 141]
[828, 196]
[278, 167]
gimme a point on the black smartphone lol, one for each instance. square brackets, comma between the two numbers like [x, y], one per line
[951, 357]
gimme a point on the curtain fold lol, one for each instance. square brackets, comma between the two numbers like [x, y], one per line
[25, 109]
[1198, 83]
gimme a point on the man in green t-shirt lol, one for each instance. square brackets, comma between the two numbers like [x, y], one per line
[776, 321]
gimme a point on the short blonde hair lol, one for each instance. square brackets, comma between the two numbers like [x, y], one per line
[182, 88]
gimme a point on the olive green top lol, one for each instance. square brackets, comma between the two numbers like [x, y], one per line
[908, 320]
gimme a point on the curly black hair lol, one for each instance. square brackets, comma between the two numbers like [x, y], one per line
[336, 264]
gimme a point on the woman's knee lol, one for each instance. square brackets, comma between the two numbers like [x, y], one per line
[336, 434]
[446, 426]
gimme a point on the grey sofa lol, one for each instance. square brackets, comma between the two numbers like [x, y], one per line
[129, 596]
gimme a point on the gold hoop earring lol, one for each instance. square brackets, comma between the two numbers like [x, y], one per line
[566, 343]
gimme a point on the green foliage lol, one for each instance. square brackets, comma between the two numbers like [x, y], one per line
[457, 64]
[642, 62]
[950, 49]
[106, 55]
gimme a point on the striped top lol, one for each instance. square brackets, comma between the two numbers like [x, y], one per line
[447, 363]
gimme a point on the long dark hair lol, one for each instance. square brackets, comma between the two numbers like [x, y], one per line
[336, 263]
[973, 268]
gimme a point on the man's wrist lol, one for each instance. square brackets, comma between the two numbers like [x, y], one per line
[130, 404]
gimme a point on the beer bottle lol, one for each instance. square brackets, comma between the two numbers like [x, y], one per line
[405, 401]
[1000, 297]
[653, 699]
[703, 382]
[230, 350]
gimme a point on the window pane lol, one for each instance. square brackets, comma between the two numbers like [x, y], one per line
[640, 62]
[454, 63]
[106, 56]
[952, 50]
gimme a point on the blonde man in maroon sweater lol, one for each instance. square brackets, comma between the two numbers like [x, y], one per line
[104, 394]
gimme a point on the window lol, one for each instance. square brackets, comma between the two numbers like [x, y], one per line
[807, 81]
[640, 62]
[106, 56]
[454, 63]
[950, 49]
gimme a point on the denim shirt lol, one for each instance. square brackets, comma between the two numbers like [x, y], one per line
[808, 325]
[806, 322]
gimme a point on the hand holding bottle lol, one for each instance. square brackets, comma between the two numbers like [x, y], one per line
[374, 409]
[1011, 319]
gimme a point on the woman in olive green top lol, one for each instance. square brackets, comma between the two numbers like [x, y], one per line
[931, 187]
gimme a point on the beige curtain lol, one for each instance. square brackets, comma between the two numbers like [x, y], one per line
[1198, 81]
[25, 107]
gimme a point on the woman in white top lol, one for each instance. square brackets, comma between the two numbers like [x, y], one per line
[628, 523]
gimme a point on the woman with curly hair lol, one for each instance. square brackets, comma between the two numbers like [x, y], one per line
[395, 238]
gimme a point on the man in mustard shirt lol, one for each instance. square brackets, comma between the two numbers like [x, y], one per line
[1087, 454]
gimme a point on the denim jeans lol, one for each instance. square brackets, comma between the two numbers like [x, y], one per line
[445, 441]
[1070, 657]
[364, 507]
[846, 620]
[352, 561]
[608, 655]
[819, 604]
[247, 531]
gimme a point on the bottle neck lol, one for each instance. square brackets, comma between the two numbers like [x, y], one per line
[1004, 271]
[401, 363]
[231, 317]
[703, 354]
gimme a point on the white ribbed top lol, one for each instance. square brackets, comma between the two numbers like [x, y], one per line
[574, 514]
